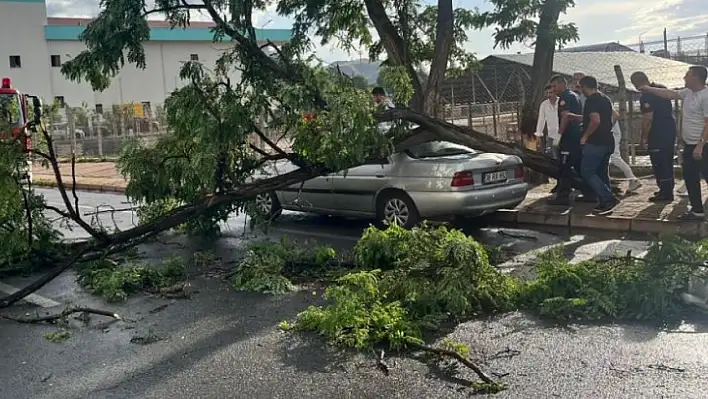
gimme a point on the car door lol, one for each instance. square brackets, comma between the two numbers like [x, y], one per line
[314, 195]
[355, 189]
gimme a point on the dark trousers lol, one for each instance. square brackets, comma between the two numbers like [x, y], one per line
[570, 161]
[693, 170]
[662, 164]
[595, 170]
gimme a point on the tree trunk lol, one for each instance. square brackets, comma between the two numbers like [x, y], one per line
[544, 51]
[444, 40]
[395, 47]
[434, 129]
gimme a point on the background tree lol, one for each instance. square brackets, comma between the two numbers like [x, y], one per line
[360, 82]
[537, 20]
[410, 35]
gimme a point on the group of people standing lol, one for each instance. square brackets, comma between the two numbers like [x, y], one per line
[581, 129]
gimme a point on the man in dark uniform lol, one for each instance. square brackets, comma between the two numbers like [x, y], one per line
[570, 130]
[659, 134]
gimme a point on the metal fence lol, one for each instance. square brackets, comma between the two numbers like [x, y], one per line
[690, 49]
[76, 130]
[84, 132]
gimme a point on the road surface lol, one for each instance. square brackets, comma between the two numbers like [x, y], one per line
[225, 344]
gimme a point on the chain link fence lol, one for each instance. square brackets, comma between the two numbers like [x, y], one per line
[101, 133]
[489, 101]
[88, 133]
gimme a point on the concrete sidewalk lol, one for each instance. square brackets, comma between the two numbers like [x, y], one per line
[635, 213]
[99, 176]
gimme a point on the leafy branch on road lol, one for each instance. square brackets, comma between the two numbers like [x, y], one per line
[409, 282]
[115, 281]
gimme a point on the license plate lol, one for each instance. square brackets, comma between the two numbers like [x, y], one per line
[494, 177]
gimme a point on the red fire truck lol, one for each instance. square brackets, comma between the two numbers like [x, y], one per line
[15, 105]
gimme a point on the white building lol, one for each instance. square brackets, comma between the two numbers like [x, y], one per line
[33, 47]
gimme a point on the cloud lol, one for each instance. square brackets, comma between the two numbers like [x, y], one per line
[598, 21]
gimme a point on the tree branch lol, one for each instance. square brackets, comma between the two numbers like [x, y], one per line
[261, 59]
[74, 215]
[183, 6]
[63, 315]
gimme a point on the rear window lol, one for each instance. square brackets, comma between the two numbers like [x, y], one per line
[438, 149]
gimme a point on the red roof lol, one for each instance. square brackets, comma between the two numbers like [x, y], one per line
[152, 24]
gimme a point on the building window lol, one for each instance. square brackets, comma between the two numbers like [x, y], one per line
[99, 109]
[194, 57]
[15, 61]
[59, 101]
[56, 61]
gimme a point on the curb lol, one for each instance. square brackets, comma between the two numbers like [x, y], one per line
[81, 186]
[603, 223]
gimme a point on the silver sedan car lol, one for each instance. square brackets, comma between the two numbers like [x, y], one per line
[431, 180]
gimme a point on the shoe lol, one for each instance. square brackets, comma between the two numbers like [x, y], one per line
[559, 201]
[554, 189]
[634, 185]
[659, 197]
[606, 208]
[692, 216]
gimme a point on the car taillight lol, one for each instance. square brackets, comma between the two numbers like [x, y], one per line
[462, 179]
[519, 172]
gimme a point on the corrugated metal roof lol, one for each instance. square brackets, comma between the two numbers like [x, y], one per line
[601, 66]
[603, 47]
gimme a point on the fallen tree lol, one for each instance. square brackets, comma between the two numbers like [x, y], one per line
[204, 165]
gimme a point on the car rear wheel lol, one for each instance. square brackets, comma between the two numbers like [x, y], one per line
[269, 205]
[397, 207]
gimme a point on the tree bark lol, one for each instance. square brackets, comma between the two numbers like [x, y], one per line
[432, 129]
[444, 40]
[395, 47]
[544, 52]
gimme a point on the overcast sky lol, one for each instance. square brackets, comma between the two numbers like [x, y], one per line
[597, 20]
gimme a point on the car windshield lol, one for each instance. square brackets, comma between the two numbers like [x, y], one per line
[438, 149]
[10, 109]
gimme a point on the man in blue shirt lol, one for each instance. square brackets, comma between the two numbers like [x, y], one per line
[570, 131]
[659, 135]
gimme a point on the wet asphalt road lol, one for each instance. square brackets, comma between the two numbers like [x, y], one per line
[225, 344]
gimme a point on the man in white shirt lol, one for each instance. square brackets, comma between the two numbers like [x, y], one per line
[380, 99]
[576, 87]
[548, 119]
[694, 133]
[616, 157]
[547, 125]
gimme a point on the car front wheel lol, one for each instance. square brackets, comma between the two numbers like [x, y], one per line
[268, 205]
[397, 207]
